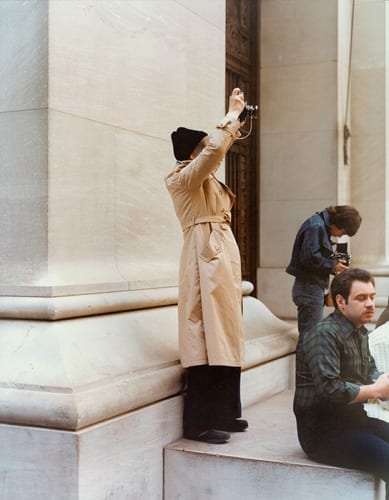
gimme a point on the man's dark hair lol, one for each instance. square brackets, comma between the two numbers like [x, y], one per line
[345, 217]
[341, 284]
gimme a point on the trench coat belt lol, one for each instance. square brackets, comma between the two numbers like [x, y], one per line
[225, 218]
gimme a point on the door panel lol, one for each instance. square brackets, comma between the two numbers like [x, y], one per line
[241, 161]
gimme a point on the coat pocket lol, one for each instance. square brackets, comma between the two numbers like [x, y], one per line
[212, 249]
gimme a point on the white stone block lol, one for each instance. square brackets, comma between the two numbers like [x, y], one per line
[24, 55]
[76, 372]
[289, 100]
[23, 200]
[262, 463]
[286, 28]
[294, 170]
[106, 63]
[275, 290]
[120, 459]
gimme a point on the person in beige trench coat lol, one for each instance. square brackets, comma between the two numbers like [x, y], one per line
[210, 290]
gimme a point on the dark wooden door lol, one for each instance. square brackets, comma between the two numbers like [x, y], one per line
[242, 70]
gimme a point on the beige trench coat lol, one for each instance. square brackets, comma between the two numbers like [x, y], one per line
[210, 289]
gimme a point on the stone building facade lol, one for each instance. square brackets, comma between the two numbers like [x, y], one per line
[90, 380]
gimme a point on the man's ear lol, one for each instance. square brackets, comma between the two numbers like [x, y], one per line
[340, 300]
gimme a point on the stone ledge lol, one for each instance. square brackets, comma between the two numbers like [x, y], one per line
[74, 373]
[77, 306]
[49, 308]
[263, 463]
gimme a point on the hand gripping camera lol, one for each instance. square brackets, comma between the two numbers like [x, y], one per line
[341, 253]
[249, 111]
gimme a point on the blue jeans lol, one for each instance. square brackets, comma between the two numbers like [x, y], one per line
[365, 449]
[309, 299]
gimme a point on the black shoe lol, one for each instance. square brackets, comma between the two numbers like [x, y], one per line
[237, 425]
[210, 436]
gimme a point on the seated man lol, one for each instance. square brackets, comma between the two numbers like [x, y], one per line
[335, 376]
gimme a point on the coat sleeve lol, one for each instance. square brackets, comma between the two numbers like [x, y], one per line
[210, 158]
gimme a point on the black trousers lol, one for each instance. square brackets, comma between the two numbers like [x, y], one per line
[357, 442]
[212, 397]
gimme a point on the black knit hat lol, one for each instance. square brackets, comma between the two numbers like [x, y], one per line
[185, 141]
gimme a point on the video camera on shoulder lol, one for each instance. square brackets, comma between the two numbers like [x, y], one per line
[341, 253]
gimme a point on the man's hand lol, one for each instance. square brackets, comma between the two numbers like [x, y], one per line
[378, 389]
[340, 266]
[237, 103]
[382, 386]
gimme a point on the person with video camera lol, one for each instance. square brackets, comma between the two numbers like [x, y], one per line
[314, 260]
[210, 288]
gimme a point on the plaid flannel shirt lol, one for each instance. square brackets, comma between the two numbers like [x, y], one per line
[333, 363]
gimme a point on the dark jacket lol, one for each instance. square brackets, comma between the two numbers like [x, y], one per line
[312, 259]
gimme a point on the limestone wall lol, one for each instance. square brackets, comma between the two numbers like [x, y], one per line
[24, 143]
[90, 246]
[100, 86]
[311, 88]
[299, 150]
[90, 380]
[369, 97]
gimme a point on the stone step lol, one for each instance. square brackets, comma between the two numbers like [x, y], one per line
[264, 463]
